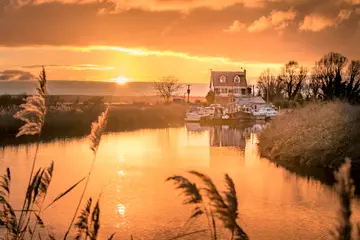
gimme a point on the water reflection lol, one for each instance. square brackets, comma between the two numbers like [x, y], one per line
[121, 209]
[131, 169]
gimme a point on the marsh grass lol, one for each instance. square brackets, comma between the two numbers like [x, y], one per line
[224, 207]
[75, 120]
[317, 135]
[97, 130]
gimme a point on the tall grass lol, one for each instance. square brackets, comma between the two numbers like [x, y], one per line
[97, 130]
[24, 227]
[320, 135]
[61, 118]
[224, 206]
[33, 114]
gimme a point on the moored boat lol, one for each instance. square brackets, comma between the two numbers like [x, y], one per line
[194, 114]
[268, 111]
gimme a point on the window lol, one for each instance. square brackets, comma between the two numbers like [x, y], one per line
[222, 79]
[249, 90]
[224, 90]
[237, 79]
[243, 92]
[237, 90]
[217, 91]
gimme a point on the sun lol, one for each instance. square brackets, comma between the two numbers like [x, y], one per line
[121, 80]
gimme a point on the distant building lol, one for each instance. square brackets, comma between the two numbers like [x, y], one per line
[229, 86]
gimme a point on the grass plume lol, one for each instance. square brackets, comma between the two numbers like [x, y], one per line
[88, 223]
[33, 114]
[225, 207]
[193, 196]
[33, 111]
[97, 130]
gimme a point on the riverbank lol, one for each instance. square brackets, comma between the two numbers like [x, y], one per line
[317, 135]
[76, 120]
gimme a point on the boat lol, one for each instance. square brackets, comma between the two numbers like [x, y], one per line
[195, 113]
[268, 111]
[245, 113]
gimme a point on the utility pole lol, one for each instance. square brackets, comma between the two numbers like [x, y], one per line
[188, 92]
[267, 94]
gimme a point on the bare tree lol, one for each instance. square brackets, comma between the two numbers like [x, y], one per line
[167, 86]
[353, 81]
[312, 87]
[270, 87]
[329, 69]
[293, 76]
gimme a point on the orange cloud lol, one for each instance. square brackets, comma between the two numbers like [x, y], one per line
[158, 5]
[354, 2]
[277, 19]
[79, 67]
[316, 23]
[15, 75]
[235, 27]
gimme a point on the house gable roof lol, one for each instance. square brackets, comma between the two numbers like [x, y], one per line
[229, 76]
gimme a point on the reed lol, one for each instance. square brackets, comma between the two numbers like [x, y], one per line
[75, 120]
[317, 135]
[33, 114]
[225, 207]
[97, 130]
[88, 223]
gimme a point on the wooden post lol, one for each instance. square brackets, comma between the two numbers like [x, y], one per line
[188, 93]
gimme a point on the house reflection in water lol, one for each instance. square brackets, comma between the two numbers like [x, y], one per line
[227, 147]
[224, 136]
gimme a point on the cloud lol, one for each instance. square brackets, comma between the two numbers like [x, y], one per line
[15, 75]
[235, 27]
[316, 23]
[277, 19]
[79, 67]
[154, 5]
[354, 2]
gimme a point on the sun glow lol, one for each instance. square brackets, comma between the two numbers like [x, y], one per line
[121, 80]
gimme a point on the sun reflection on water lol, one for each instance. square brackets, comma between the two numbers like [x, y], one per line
[121, 209]
[121, 173]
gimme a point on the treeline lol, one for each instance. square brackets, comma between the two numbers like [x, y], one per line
[334, 76]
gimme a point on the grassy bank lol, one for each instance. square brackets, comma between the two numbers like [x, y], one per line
[317, 135]
[68, 120]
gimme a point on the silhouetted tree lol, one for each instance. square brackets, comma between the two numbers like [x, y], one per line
[293, 76]
[166, 87]
[312, 86]
[270, 87]
[329, 70]
[210, 97]
[353, 81]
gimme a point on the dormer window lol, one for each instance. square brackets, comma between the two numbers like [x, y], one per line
[237, 79]
[222, 79]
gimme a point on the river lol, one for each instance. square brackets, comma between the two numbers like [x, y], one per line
[130, 172]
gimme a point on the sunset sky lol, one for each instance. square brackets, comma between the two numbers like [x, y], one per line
[143, 40]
